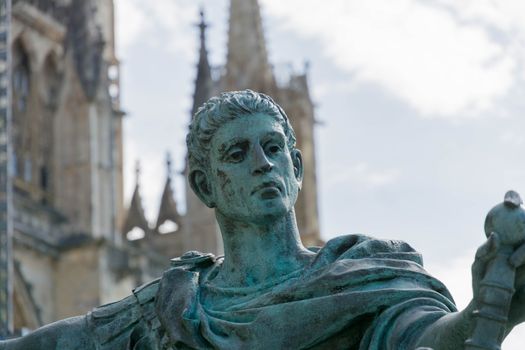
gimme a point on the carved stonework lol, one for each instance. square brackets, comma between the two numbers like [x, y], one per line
[87, 44]
[67, 198]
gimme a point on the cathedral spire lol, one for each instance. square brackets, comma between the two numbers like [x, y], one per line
[136, 226]
[168, 165]
[203, 83]
[247, 64]
[168, 220]
[137, 174]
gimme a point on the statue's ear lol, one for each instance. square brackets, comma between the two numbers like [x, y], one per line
[298, 168]
[200, 184]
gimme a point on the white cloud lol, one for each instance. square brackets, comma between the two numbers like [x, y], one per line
[515, 340]
[422, 53]
[176, 18]
[512, 138]
[130, 21]
[361, 175]
[323, 89]
[503, 15]
[455, 274]
[156, 20]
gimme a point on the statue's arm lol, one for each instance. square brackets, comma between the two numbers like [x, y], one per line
[71, 333]
[450, 331]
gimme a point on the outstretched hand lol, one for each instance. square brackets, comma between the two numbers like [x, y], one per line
[485, 253]
[517, 307]
[484, 256]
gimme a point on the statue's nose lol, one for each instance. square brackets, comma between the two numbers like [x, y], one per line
[261, 163]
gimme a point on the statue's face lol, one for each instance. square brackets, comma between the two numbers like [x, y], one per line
[253, 175]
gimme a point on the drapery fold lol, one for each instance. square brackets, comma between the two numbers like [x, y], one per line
[358, 293]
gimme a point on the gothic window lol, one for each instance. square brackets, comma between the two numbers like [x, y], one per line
[14, 165]
[135, 234]
[52, 83]
[21, 78]
[44, 178]
[27, 170]
[18, 163]
[113, 76]
[168, 227]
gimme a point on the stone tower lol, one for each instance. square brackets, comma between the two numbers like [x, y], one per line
[200, 230]
[247, 65]
[69, 252]
[168, 225]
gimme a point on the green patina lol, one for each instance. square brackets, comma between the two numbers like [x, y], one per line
[269, 291]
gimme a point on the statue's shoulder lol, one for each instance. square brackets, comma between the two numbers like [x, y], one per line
[131, 320]
[359, 246]
[184, 273]
[137, 318]
[193, 260]
[178, 292]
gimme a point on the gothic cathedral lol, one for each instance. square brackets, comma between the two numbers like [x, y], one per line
[71, 246]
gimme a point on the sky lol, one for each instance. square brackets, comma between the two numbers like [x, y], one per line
[420, 105]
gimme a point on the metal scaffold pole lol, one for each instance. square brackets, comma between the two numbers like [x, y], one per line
[6, 244]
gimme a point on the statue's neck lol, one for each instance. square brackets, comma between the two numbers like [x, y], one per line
[258, 253]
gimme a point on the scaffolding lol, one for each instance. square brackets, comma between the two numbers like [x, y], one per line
[6, 228]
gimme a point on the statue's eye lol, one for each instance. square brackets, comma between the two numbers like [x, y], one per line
[236, 156]
[273, 149]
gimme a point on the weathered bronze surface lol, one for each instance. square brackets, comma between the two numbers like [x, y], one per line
[269, 291]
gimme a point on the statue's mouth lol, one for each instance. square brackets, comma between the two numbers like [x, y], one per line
[269, 189]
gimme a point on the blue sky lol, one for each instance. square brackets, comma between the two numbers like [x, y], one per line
[421, 102]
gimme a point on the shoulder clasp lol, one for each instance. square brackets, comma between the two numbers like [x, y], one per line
[193, 258]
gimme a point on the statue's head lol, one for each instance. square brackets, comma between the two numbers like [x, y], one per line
[242, 156]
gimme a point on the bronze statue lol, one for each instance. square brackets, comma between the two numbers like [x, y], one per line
[269, 291]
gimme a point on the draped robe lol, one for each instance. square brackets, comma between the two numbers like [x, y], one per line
[357, 293]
